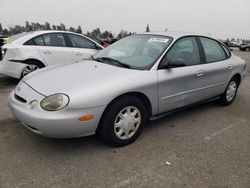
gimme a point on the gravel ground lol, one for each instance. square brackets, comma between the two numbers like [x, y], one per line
[204, 146]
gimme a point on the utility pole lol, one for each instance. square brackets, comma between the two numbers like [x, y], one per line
[147, 28]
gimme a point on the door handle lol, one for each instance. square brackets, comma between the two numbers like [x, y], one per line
[200, 73]
[47, 52]
[230, 67]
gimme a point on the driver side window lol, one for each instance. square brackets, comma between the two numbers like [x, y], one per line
[185, 49]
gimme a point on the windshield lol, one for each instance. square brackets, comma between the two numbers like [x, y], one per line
[137, 51]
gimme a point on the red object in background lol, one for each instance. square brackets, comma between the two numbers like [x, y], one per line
[104, 43]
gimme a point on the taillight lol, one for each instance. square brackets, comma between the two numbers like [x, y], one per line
[3, 52]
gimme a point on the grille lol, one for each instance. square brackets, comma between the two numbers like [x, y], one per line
[20, 99]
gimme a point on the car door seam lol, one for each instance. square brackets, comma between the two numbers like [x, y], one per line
[193, 90]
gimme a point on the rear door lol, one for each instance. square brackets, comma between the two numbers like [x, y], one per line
[217, 66]
[181, 86]
[82, 48]
[53, 48]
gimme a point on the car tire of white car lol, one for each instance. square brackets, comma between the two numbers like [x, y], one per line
[122, 121]
[230, 93]
[32, 65]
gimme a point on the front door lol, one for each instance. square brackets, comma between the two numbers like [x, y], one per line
[82, 47]
[181, 86]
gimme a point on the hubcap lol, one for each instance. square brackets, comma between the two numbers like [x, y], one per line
[29, 69]
[231, 90]
[127, 122]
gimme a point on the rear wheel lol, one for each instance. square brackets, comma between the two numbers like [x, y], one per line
[123, 121]
[32, 66]
[230, 93]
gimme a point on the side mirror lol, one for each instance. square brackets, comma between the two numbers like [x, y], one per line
[175, 62]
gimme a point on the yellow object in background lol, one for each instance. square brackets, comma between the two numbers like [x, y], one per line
[7, 41]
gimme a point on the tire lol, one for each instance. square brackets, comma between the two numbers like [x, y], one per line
[122, 122]
[32, 65]
[230, 92]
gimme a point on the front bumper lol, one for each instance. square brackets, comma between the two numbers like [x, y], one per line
[12, 69]
[59, 124]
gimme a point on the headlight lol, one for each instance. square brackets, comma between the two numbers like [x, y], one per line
[55, 102]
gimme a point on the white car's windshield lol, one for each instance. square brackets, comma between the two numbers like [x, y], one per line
[137, 51]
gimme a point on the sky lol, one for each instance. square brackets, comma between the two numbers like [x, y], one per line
[216, 18]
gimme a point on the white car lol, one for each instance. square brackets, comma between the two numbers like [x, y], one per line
[34, 50]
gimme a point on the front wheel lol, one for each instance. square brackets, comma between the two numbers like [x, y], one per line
[123, 121]
[230, 93]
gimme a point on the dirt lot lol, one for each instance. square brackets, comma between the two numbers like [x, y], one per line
[205, 146]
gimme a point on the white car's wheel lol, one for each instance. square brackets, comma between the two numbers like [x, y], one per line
[32, 66]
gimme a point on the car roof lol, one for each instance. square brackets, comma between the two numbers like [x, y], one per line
[28, 35]
[173, 34]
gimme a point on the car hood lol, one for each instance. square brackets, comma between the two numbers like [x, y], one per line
[86, 81]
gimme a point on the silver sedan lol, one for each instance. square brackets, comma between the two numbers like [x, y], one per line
[138, 78]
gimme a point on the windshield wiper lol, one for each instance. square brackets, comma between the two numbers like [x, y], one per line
[112, 61]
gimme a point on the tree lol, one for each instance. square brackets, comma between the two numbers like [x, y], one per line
[96, 33]
[54, 27]
[79, 29]
[28, 27]
[5, 32]
[72, 29]
[47, 26]
[62, 27]
[147, 28]
[88, 33]
[107, 34]
[123, 34]
[58, 27]
[1, 28]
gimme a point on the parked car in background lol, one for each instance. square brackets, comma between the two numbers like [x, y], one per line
[101, 42]
[244, 47]
[137, 78]
[3, 40]
[34, 50]
[234, 44]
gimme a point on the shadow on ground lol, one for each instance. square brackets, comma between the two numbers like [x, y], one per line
[11, 126]
[7, 81]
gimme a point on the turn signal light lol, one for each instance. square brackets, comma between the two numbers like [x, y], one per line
[86, 118]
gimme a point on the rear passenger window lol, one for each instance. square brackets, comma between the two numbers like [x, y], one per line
[29, 42]
[226, 50]
[54, 39]
[213, 51]
[39, 41]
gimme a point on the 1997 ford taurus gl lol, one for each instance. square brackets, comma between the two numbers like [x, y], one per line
[114, 93]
